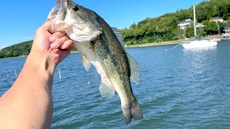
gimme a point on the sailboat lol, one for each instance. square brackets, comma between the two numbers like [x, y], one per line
[198, 43]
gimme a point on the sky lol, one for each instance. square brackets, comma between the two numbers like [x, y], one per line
[20, 19]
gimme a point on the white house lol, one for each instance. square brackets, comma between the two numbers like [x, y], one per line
[216, 19]
[199, 25]
[184, 24]
[188, 22]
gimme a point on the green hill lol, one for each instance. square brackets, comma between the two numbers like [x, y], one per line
[16, 50]
[20, 49]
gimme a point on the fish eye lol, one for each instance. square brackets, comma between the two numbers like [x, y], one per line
[75, 8]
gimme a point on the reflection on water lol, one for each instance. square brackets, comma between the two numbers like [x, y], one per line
[178, 89]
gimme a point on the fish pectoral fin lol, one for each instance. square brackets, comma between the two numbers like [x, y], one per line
[134, 68]
[106, 91]
[85, 62]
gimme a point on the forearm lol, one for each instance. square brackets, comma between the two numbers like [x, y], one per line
[28, 103]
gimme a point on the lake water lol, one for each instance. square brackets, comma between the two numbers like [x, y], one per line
[178, 89]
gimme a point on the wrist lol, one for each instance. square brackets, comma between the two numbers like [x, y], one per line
[40, 61]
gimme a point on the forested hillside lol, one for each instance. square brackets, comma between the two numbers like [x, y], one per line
[165, 27]
[16, 50]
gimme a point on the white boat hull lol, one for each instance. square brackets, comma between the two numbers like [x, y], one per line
[199, 44]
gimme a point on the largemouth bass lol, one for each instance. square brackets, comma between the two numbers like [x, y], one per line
[101, 46]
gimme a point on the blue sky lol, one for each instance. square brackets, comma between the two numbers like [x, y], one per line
[19, 19]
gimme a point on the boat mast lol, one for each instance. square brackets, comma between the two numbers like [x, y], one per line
[194, 19]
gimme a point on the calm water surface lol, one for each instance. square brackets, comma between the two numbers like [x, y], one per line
[178, 89]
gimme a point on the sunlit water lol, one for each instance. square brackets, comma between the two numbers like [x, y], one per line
[178, 89]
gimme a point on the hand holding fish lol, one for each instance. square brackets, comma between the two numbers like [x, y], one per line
[28, 102]
[56, 46]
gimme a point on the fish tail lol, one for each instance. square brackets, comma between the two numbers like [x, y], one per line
[132, 111]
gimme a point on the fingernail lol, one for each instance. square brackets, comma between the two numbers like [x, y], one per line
[53, 45]
[63, 46]
[52, 38]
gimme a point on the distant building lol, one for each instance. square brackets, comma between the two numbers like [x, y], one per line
[200, 25]
[216, 19]
[188, 22]
[184, 24]
[227, 33]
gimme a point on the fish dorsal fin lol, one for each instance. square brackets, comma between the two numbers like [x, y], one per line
[118, 33]
[106, 91]
[85, 62]
[134, 68]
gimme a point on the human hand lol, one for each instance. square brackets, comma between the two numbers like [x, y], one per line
[55, 46]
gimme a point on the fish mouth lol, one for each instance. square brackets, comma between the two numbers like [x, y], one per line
[58, 7]
[64, 17]
[57, 16]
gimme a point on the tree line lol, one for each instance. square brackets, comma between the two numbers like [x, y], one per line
[165, 27]
[20, 49]
[16, 50]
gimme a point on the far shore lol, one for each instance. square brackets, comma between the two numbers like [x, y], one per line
[181, 41]
[155, 44]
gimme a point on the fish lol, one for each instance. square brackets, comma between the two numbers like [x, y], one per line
[103, 47]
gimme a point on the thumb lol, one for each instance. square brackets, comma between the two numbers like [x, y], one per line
[46, 26]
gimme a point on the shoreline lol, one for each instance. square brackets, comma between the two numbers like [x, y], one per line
[156, 44]
[174, 42]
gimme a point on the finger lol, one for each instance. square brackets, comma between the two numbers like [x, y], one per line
[56, 35]
[67, 45]
[59, 42]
